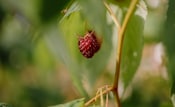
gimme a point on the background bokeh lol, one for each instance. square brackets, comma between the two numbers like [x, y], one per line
[40, 64]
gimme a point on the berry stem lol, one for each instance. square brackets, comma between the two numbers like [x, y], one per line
[112, 14]
[120, 46]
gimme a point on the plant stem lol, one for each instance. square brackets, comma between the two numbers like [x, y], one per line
[121, 30]
[120, 46]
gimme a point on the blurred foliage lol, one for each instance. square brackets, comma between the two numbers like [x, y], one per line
[40, 64]
[75, 103]
[4, 105]
[154, 24]
[149, 96]
[51, 10]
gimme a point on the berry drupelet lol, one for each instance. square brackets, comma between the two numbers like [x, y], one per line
[89, 44]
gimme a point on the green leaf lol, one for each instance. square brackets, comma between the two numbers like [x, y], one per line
[74, 103]
[133, 43]
[168, 40]
[71, 27]
[132, 48]
[63, 44]
[94, 13]
[75, 26]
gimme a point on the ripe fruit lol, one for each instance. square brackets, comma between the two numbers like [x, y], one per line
[89, 44]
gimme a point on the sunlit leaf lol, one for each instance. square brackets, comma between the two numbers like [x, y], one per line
[173, 99]
[71, 28]
[63, 47]
[74, 103]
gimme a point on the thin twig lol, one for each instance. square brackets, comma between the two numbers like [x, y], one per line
[97, 96]
[112, 15]
[101, 98]
[107, 99]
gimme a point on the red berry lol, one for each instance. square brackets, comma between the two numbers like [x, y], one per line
[89, 44]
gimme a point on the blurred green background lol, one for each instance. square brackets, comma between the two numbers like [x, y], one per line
[40, 64]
